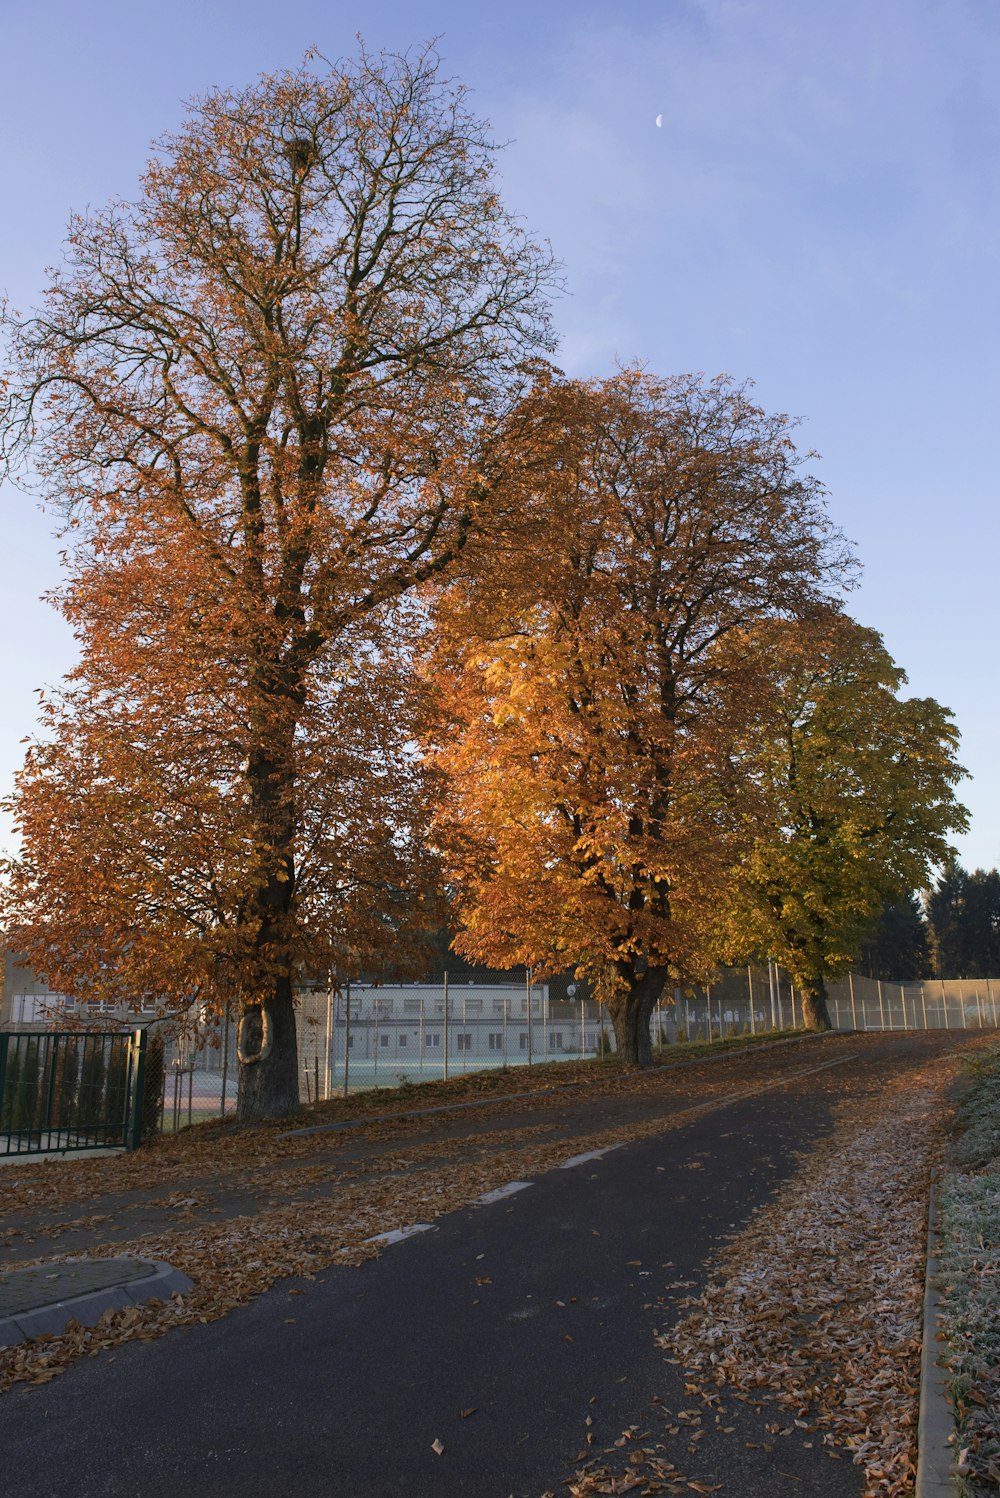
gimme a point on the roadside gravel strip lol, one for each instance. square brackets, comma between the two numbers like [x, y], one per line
[967, 1284]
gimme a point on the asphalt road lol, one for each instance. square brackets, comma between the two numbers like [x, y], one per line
[536, 1313]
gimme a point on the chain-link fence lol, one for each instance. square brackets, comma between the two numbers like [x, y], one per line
[352, 1037]
[360, 1036]
[939, 1004]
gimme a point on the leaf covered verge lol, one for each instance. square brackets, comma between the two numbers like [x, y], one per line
[969, 1261]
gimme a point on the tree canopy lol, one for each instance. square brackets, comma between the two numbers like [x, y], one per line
[268, 395]
[592, 687]
[860, 782]
[372, 602]
[963, 921]
[897, 946]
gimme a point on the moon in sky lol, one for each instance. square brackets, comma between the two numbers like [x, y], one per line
[659, 120]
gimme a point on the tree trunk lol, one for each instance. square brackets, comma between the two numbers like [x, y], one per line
[631, 1010]
[268, 1058]
[815, 1014]
[268, 1086]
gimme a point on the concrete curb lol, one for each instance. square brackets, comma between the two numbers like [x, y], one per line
[364, 1120]
[936, 1420]
[32, 1157]
[162, 1281]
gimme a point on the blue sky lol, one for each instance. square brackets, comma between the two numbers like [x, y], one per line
[819, 211]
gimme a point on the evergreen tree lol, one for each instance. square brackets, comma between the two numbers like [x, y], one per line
[898, 947]
[963, 916]
[945, 904]
[981, 923]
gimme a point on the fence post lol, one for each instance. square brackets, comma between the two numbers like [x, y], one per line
[854, 1012]
[347, 1035]
[881, 1010]
[902, 1000]
[4, 1044]
[133, 1134]
[753, 1018]
[546, 1021]
[527, 1005]
[992, 1001]
[51, 1051]
[923, 1004]
[327, 1041]
[444, 1057]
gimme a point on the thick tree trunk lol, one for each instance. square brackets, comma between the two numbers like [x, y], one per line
[631, 1010]
[268, 1063]
[268, 1059]
[815, 1014]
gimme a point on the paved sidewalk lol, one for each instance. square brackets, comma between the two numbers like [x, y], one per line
[42, 1300]
[509, 1334]
[518, 1335]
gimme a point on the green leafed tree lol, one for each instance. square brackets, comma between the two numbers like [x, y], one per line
[861, 785]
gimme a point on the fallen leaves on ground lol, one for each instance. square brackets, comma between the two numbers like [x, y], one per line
[816, 1307]
[232, 1260]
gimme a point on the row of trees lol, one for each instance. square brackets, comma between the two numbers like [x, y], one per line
[952, 931]
[378, 611]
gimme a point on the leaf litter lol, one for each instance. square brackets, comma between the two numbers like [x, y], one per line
[851, 1220]
[815, 1308]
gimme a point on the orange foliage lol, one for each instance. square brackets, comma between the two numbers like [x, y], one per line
[593, 694]
[267, 395]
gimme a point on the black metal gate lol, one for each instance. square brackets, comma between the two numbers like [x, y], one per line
[70, 1090]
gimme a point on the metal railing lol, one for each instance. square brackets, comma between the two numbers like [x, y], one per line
[70, 1090]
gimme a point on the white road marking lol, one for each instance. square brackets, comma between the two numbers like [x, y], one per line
[575, 1160]
[398, 1234]
[502, 1191]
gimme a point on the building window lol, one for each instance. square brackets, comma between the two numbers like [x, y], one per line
[473, 1006]
[430, 1041]
[555, 1040]
[384, 1039]
[464, 1042]
[350, 1042]
[524, 1040]
[496, 1040]
[412, 1006]
[402, 1039]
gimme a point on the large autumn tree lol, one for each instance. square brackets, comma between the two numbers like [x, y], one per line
[268, 393]
[593, 692]
[861, 785]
